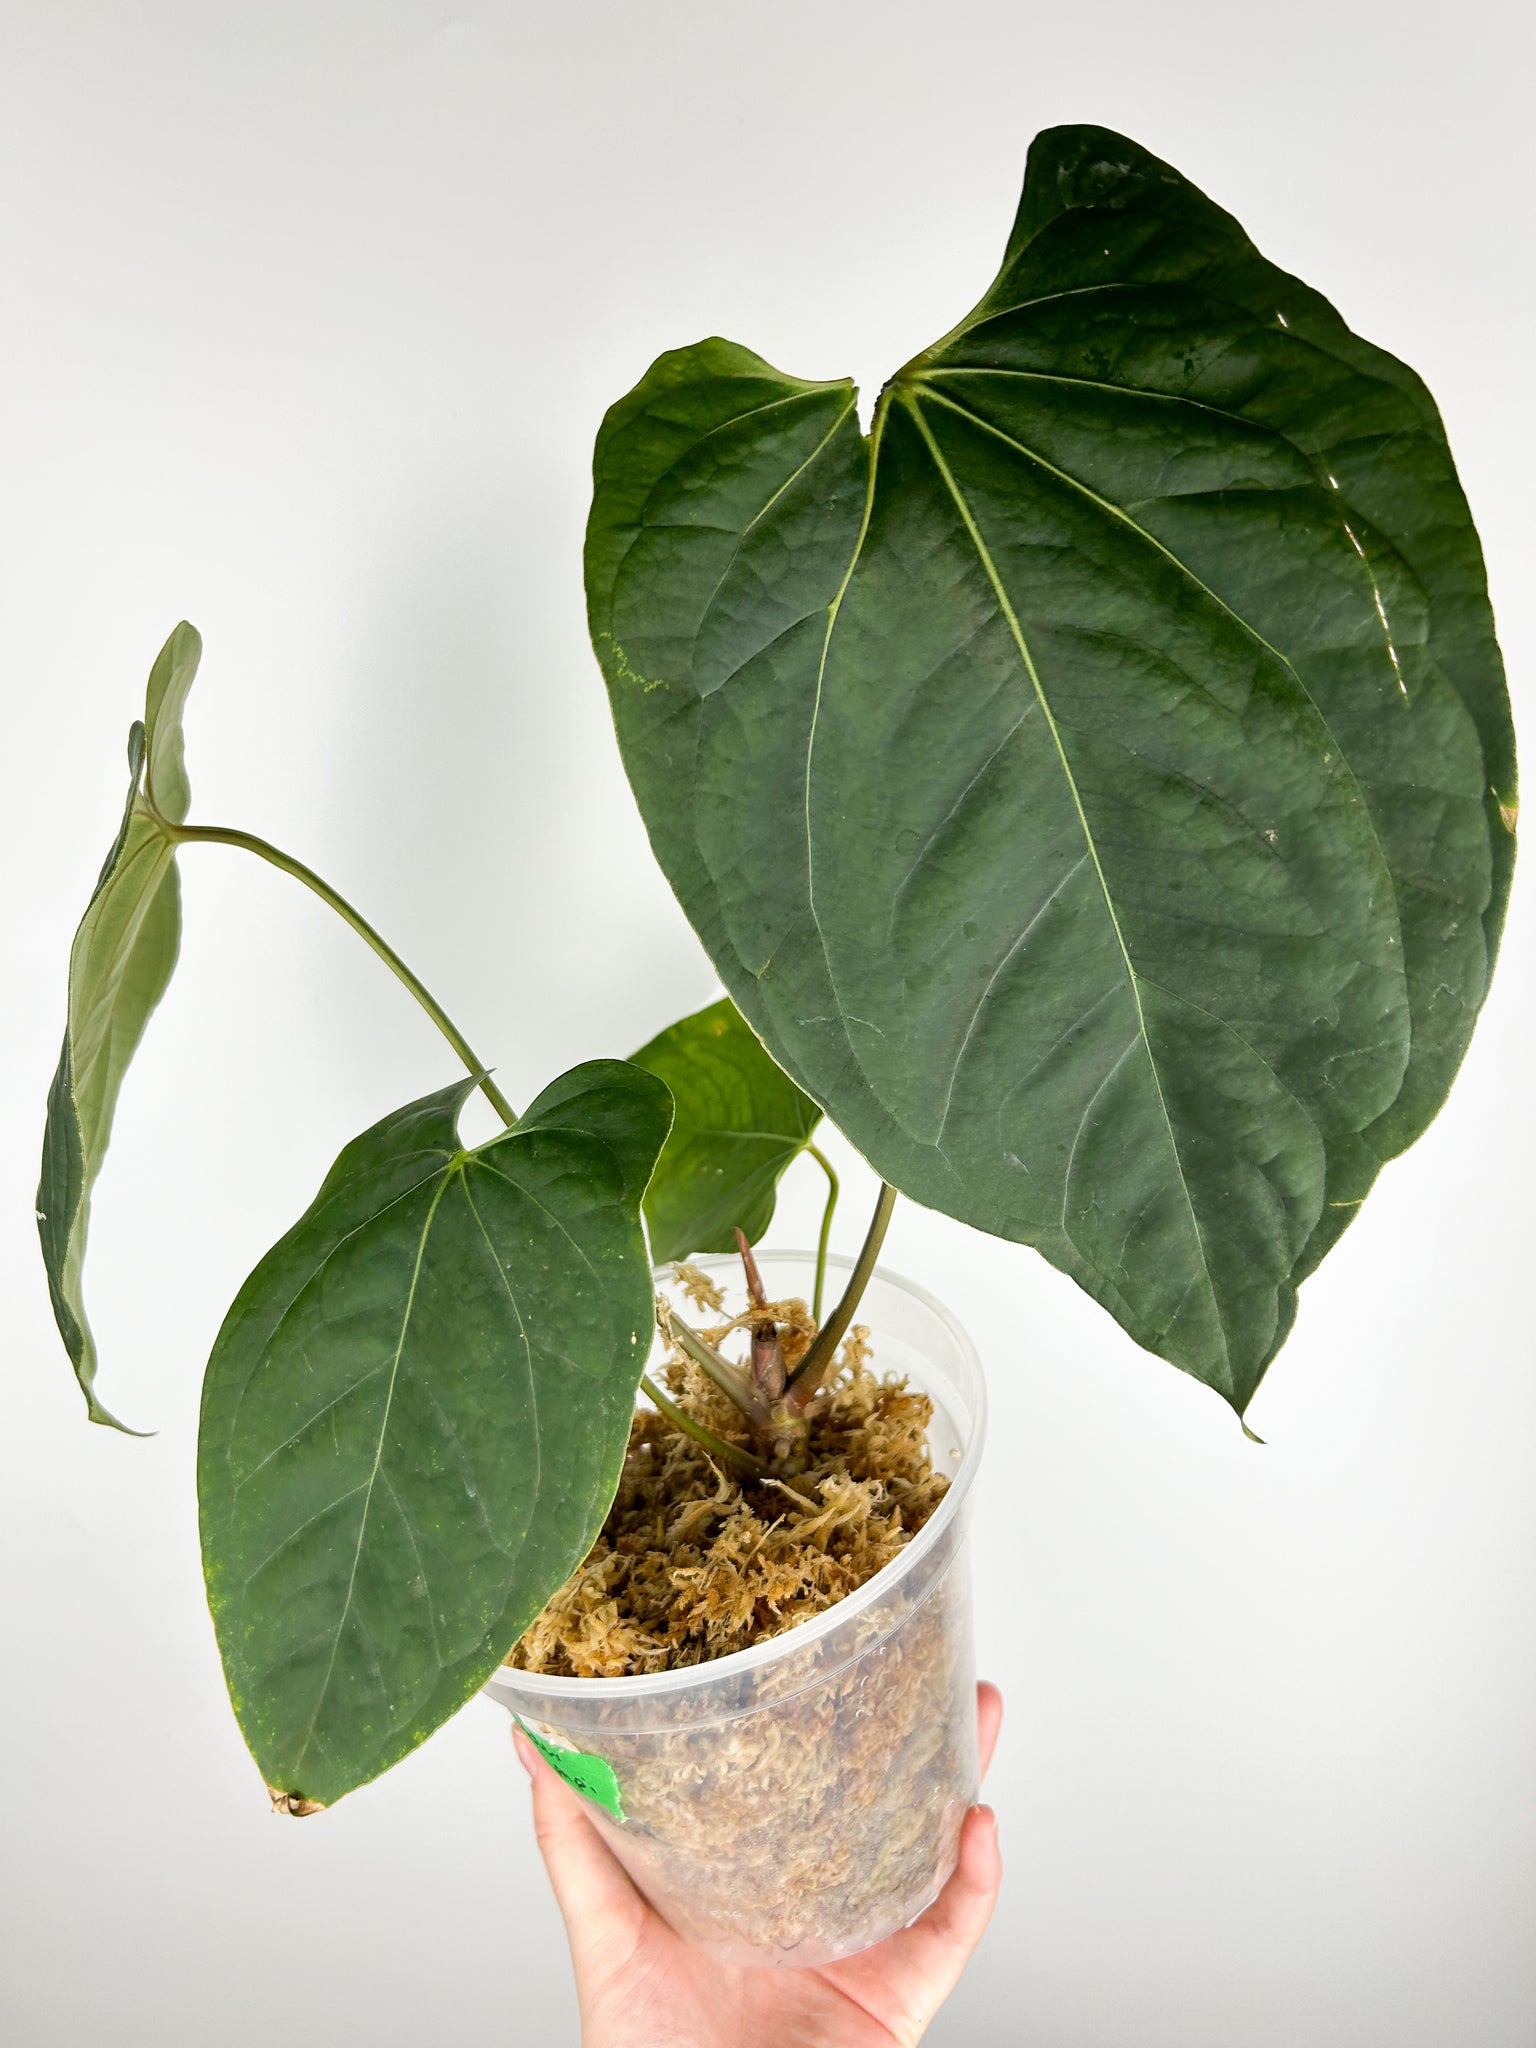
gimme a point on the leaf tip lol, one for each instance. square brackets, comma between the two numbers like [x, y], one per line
[293, 1804]
[96, 1412]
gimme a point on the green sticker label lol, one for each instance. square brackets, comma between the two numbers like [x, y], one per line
[592, 1776]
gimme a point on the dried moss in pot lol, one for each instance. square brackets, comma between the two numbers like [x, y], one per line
[694, 1562]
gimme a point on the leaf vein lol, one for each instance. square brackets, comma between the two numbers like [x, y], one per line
[997, 973]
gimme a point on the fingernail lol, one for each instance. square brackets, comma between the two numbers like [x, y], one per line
[527, 1755]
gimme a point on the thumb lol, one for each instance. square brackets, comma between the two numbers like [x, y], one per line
[904, 1981]
[596, 1899]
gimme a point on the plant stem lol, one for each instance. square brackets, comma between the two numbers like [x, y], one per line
[817, 1362]
[734, 1384]
[221, 835]
[825, 1164]
[731, 1455]
[766, 1370]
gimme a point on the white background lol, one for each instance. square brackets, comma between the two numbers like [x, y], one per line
[310, 315]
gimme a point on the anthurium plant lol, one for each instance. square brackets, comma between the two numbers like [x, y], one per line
[1094, 785]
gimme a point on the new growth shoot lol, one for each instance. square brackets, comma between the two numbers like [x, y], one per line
[774, 1402]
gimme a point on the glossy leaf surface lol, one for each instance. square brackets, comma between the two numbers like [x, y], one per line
[415, 1416]
[121, 960]
[739, 1123]
[1096, 785]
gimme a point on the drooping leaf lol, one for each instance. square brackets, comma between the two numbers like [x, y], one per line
[1096, 785]
[739, 1121]
[415, 1416]
[121, 960]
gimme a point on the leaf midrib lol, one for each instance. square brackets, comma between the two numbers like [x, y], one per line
[505, 1280]
[876, 433]
[372, 1479]
[332, 1250]
[457, 1169]
[1192, 576]
[910, 399]
[1197, 582]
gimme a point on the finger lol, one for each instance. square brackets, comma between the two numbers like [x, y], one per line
[989, 1718]
[914, 1972]
[942, 1940]
[594, 1893]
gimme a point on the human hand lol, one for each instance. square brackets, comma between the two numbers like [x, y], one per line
[641, 1986]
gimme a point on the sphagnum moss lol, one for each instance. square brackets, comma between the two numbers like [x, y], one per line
[694, 1563]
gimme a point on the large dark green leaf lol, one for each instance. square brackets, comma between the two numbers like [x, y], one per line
[415, 1416]
[1092, 785]
[739, 1121]
[123, 954]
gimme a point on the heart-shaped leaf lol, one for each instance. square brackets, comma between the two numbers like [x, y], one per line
[1096, 785]
[739, 1121]
[415, 1416]
[119, 965]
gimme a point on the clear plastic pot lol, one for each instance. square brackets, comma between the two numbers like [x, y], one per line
[800, 1800]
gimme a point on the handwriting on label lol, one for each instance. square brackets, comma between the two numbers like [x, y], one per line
[592, 1776]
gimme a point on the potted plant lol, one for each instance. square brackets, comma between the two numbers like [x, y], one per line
[1094, 786]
